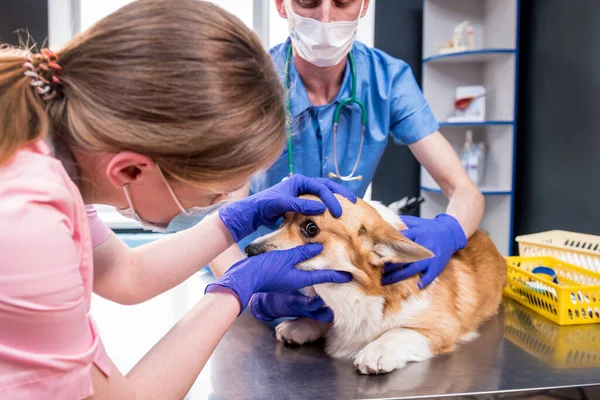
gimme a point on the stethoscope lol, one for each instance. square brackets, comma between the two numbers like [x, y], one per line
[336, 118]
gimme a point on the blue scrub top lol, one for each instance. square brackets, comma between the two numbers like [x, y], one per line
[394, 103]
[395, 106]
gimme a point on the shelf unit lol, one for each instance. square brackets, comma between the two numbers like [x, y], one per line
[494, 64]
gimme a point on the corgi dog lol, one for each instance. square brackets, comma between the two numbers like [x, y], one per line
[382, 328]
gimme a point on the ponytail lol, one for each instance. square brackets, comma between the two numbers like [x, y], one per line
[23, 118]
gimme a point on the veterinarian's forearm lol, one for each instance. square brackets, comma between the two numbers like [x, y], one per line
[467, 205]
[221, 264]
[170, 368]
[435, 153]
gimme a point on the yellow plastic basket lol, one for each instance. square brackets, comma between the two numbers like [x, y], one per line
[558, 346]
[574, 300]
[575, 248]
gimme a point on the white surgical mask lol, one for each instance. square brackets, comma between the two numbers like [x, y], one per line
[321, 44]
[185, 219]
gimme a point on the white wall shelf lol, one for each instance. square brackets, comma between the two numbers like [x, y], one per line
[469, 56]
[492, 64]
[475, 124]
[487, 191]
[441, 79]
[495, 23]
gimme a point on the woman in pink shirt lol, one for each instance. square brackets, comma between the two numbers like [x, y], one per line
[162, 109]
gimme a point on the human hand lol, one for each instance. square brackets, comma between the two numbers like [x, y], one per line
[270, 306]
[265, 208]
[443, 236]
[275, 272]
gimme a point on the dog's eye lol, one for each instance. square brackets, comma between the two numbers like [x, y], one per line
[309, 229]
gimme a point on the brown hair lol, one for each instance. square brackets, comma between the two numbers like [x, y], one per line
[182, 82]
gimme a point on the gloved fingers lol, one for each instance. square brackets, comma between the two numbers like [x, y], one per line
[323, 314]
[312, 186]
[410, 234]
[428, 277]
[389, 268]
[301, 253]
[339, 189]
[404, 273]
[305, 207]
[258, 309]
[269, 306]
[324, 276]
[278, 207]
[410, 220]
[308, 303]
[290, 257]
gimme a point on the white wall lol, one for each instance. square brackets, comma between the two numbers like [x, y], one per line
[62, 23]
[91, 11]
[69, 17]
[66, 18]
[366, 27]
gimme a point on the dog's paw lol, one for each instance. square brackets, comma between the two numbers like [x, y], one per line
[300, 331]
[469, 337]
[392, 350]
[376, 358]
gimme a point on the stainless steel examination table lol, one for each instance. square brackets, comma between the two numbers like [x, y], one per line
[517, 350]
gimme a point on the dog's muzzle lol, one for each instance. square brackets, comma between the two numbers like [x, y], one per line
[254, 249]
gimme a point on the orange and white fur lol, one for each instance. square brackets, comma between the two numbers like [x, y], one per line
[382, 328]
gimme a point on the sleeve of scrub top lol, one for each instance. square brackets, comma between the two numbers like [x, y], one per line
[99, 230]
[411, 116]
[49, 342]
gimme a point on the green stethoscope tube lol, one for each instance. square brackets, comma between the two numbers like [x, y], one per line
[336, 118]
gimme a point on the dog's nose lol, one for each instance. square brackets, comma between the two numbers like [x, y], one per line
[253, 250]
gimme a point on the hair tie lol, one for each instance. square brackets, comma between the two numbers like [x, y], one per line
[44, 75]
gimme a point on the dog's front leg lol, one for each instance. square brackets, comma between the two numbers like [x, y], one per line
[301, 330]
[392, 350]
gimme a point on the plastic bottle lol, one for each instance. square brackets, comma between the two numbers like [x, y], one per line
[470, 158]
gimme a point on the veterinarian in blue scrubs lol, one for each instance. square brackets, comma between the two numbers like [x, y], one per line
[345, 100]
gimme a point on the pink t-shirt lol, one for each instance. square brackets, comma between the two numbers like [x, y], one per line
[99, 230]
[48, 340]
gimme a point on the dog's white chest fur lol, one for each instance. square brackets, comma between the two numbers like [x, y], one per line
[378, 343]
[360, 319]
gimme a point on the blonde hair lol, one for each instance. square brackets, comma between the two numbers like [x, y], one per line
[182, 82]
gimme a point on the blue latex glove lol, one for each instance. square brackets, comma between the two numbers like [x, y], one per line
[270, 306]
[274, 271]
[443, 236]
[265, 208]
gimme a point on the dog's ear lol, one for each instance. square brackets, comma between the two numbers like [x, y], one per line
[390, 246]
